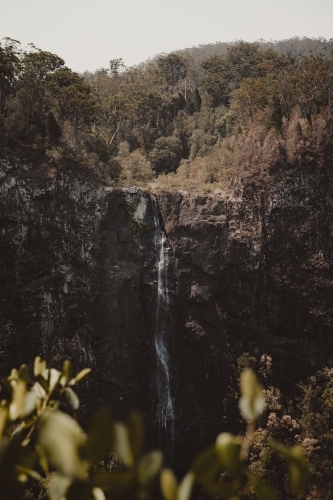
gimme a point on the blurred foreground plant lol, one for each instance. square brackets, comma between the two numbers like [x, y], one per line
[40, 439]
[230, 456]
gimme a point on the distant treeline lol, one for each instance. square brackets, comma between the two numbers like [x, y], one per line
[192, 117]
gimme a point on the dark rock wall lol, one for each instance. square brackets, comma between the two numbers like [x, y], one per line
[255, 275]
[73, 260]
[250, 272]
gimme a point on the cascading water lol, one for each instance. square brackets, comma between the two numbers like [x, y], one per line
[165, 410]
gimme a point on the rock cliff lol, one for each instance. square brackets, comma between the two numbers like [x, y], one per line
[250, 271]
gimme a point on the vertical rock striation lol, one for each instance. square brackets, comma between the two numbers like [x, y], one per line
[162, 297]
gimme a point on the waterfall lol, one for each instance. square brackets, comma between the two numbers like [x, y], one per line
[165, 410]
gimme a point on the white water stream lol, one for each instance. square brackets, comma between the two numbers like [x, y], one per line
[162, 336]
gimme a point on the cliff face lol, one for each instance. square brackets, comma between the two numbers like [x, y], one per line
[75, 276]
[249, 272]
[254, 274]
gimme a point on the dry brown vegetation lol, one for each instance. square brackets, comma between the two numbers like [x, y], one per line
[179, 121]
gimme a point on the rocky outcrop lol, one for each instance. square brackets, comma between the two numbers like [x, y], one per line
[250, 272]
[75, 273]
[254, 274]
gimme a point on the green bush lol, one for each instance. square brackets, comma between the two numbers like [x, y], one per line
[166, 155]
[40, 440]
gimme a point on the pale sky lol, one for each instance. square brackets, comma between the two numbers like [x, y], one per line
[88, 33]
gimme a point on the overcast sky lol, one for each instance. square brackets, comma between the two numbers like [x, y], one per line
[88, 33]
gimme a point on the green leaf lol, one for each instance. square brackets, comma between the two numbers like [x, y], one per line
[149, 467]
[100, 436]
[53, 377]
[228, 452]
[30, 402]
[16, 407]
[135, 434]
[3, 419]
[42, 458]
[297, 469]
[252, 402]
[122, 445]
[206, 466]
[62, 438]
[14, 375]
[80, 376]
[39, 366]
[67, 370]
[169, 485]
[185, 487]
[98, 494]
[71, 398]
[58, 486]
[263, 490]
[29, 472]
[280, 448]
[43, 384]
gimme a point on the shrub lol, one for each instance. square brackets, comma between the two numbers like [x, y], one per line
[39, 439]
[135, 169]
[166, 155]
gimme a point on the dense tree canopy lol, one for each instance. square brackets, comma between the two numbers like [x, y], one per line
[73, 99]
[205, 114]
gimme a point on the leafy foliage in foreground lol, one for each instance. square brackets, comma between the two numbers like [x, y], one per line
[40, 440]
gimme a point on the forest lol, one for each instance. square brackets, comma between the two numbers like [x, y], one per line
[196, 118]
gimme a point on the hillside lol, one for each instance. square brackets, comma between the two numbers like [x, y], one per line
[198, 118]
[180, 207]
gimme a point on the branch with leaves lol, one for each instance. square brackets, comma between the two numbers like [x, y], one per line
[230, 456]
[40, 439]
